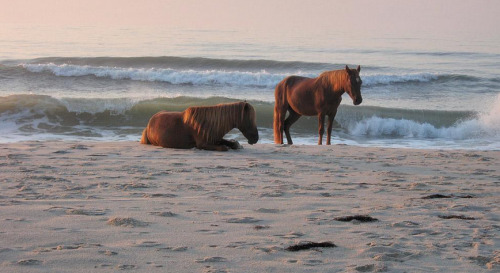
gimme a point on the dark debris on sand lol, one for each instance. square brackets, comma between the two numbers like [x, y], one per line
[437, 196]
[361, 218]
[461, 217]
[309, 245]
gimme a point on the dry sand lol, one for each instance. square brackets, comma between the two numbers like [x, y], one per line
[107, 207]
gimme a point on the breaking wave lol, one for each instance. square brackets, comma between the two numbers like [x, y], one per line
[262, 78]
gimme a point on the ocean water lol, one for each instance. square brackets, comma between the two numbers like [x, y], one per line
[93, 84]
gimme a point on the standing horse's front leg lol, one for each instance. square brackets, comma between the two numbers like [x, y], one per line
[321, 129]
[329, 129]
[331, 117]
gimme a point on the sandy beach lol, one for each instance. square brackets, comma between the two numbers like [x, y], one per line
[112, 206]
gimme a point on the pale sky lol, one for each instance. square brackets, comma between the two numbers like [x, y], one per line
[438, 16]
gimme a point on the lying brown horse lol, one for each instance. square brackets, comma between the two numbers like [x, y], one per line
[202, 127]
[320, 96]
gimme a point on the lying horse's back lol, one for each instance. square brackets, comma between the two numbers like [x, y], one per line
[167, 129]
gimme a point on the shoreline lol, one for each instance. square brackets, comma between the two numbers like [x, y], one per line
[106, 206]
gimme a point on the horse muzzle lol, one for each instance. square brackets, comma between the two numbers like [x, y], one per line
[253, 139]
[358, 101]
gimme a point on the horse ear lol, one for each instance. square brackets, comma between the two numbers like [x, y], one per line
[359, 68]
[348, 70]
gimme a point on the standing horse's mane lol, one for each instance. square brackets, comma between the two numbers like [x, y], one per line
[213, 122]
[331, 79]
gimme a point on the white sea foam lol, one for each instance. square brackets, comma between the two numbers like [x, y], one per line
[194, 77]
[486, 125]
[263, 78]
[373, 79]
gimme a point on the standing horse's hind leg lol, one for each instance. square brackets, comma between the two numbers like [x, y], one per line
[291, 119]
[279, 121]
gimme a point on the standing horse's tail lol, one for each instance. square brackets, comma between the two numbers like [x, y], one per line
[280, 107]
[144, 138]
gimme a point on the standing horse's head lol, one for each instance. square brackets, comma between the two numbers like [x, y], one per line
[248, 125]
[354, 84]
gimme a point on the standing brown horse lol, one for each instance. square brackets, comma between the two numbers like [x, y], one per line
[202, 127]
[320, 96]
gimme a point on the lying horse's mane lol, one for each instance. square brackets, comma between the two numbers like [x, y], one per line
[213, 122]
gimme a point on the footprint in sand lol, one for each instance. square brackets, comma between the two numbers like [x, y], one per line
[263, 210]
[95, 212]
[108, 252]
[29, 262]
[405, 224]
[163, 213]
[383, 253]
[211, 232]
[126, 222]
[291, 235]
[146, 244]
[211, 260]
[158, 195]
[370, 268]
[79, 147]
[210, 269]
[175, 249]
[260, 227]
[126, 267]
[242, 220]
[311, 262]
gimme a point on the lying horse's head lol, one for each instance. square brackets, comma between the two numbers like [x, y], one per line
[354, 85]
[248, 125]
